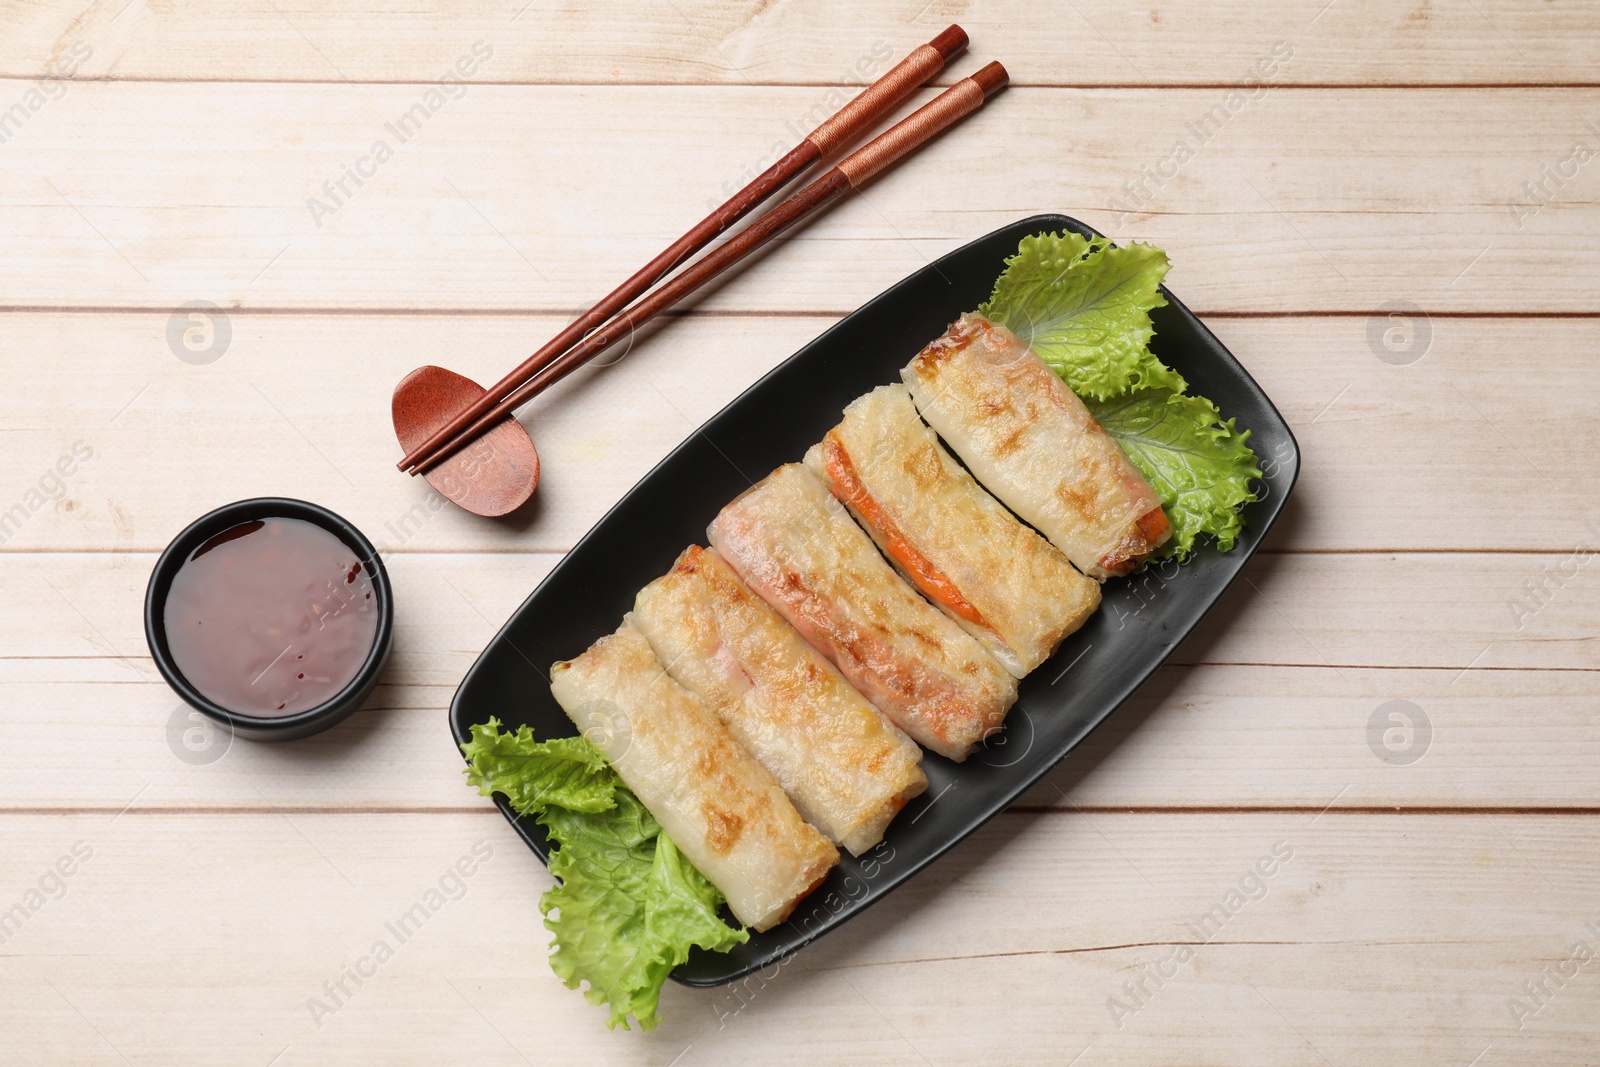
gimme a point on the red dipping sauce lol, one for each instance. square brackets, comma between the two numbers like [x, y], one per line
[271, 617]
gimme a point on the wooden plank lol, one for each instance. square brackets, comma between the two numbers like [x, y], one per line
[200, 939]
[1436, 612]
[1436, 552]
[1423, 456]
[1294, 666]
[513, 197]
[299, 406]
[1233, 737]
[1091, 42]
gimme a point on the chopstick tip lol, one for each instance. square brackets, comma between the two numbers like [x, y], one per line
[991, 79]
[952, 42]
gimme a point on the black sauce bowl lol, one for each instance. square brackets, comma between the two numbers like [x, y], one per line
[260, 727]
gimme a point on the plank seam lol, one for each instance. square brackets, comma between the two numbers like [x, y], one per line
[1452, 668]
[1128, 945]
[312, 310]
[557, 83]
[401, 550]
[1508, 811]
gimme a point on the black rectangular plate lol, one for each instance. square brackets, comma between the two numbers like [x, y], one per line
[1141, 621]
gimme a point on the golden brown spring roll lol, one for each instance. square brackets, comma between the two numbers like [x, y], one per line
[848, 769]
[723, 810]
[796, 546]
[1032, 443]
[1000, 581]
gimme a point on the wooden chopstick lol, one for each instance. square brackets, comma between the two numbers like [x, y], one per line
[848, 123]
[855, 170]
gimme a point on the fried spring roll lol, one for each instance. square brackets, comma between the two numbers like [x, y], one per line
[1032, 443]
[797, 547]
[846, 767]
[723, 810]
[997, 579]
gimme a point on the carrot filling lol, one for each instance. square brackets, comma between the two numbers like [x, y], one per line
[1148, 531]
[1154, 526]
[848, 488]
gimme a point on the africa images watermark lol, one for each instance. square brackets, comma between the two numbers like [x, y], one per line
[1143, 587]
[337, 191]
[405, 526]
[1399, 333]
[451, 885]
[471, 460]
[868, 64]
[853, 888]
[1540, 590]
[51, 885]
[46, 90]
[1399, 732]
[51, 485]
[199, 332]
[1552, 179]
[1153, 177]
[1553, 978]
[1251, 887]
[196, 739]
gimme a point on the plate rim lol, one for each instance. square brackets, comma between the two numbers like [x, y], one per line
[1031, 224]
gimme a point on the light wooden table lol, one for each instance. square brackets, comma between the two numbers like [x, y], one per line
[1359, 232]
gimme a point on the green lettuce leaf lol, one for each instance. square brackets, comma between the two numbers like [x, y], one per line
[629, 906]
[567, 772]
[1084, 307]
[1200, 465]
